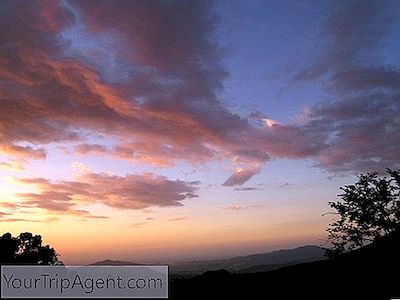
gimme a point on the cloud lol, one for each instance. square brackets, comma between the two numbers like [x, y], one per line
[80, 168]
[85, 214]
[364, 133]
[23, 152]
[9, 205]
[138, 224]
[238, 207]
[18, 220]
[353, 28]
[360, 126]
[11, 165]
[164, 110]
[122, 192]
[177, 219]
[4, 217]
[242, 175]
[235, 207]
[285, 184]
[246, 189]
[90, 148]
[149, 80]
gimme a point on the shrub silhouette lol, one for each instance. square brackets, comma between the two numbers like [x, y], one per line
[368, 210]
[26, 249]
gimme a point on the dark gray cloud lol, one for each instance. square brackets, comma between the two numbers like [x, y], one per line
[359, 129]
[246, 189]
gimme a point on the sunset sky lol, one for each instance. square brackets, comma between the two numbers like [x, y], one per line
[180, 130]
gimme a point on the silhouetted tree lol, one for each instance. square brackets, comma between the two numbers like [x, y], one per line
[369, 209]
[26, 249]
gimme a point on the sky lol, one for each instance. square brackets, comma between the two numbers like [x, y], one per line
[162, 131]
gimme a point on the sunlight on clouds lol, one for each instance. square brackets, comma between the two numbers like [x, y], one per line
[79, 168]
[269, 122]
[243, 174]
[12, 166]
[10, 186]
[15, 211]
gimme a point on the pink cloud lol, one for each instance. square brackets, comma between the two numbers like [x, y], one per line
[163, 106]
[122, 192]
[235, 207]
[242, 175]
[238, 207]
[22, 152]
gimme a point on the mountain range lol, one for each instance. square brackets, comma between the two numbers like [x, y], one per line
[240, 264]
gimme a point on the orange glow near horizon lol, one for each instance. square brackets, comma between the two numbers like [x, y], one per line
[81, 244]
[159, 235]
[169, 133]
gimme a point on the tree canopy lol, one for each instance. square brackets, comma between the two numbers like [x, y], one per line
[368, 209]
[26, 249]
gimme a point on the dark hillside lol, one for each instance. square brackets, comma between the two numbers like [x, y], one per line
[371, 272]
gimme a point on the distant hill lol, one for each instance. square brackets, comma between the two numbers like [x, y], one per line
[371, 272]
[240, 264]
[109, 262]
[250, 263]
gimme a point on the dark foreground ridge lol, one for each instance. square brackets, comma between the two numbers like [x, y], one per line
[371, 272]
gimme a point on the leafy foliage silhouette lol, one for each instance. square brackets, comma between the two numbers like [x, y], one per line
[368, 210]
[26, 249]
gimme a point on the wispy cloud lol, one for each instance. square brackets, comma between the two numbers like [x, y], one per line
[138, 224]
[12, 165]
[238, 207]
[7, 217]
[246, 189]
[235, 207]
[177, 219]
[122, 192]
